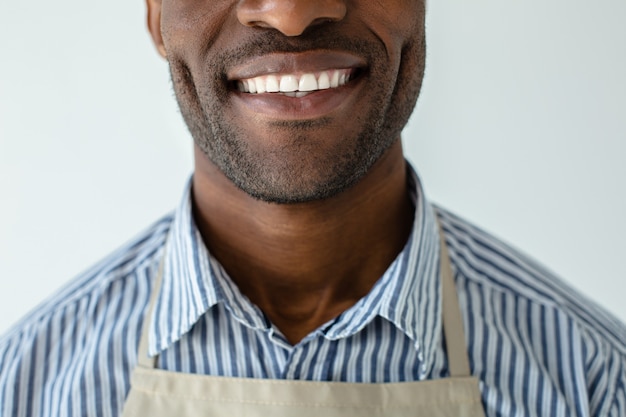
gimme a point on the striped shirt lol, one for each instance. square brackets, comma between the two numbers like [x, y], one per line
[537, 347]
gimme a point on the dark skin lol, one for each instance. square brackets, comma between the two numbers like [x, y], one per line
[305, 209]
[301, 283]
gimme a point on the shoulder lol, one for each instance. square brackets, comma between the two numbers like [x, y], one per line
[116, 268]
[517, 311]
[488, 261]
[79, 325]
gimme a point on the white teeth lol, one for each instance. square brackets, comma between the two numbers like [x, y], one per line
[324, 82]
[288, 83]
[260, 85]
[307, 83]
[294, 85]
[251, 86]
[334, 82]
[297, 94]
[271, 84]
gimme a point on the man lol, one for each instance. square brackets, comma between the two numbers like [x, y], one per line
[305, 250]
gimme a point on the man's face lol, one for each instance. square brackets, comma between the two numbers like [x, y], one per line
[363, 62]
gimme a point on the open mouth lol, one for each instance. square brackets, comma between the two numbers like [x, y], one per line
[297, 85]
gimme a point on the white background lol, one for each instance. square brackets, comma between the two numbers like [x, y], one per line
[521, 128]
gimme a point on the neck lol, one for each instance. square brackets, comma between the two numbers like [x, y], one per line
[304, 264]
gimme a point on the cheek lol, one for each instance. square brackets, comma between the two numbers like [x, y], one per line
[190, 27]
[398, 23]
[408, 16]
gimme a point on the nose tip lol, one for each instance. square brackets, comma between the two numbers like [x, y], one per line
[290, 17]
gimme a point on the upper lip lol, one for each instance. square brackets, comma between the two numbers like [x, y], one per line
[293, 63]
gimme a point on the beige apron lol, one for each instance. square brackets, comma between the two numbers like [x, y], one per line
[159, 393]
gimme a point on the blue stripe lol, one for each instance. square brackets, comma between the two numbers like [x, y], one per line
[525, 328]
[204, 341]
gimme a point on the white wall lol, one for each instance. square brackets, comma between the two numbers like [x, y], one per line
[521, 128]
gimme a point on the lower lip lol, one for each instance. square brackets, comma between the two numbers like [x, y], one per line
[312, 106]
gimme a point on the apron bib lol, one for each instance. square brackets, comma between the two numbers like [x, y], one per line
[158, 393]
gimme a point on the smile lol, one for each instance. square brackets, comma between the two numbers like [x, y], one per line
[293, 85]
[298, 86]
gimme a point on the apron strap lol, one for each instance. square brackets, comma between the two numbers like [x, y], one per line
[458, 362]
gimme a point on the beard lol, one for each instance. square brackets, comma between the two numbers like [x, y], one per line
[305, 165]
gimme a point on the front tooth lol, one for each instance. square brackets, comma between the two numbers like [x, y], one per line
[324, 82]
[288, 83]
[271, 84]
[307, 83]
[334, 82]
[342, 79]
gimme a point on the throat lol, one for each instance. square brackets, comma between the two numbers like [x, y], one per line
[297, 310]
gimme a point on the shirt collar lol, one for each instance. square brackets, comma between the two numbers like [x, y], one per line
[408, 294]
[192, 282]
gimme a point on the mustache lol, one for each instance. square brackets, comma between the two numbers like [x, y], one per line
[316, 38]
